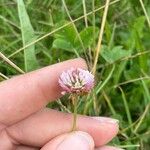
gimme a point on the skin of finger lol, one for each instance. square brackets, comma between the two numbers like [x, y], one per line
[41, 127]
[25, 94]
[108, 148]
[2, 126]
[26, 148]
[77, 140]
[6, 142]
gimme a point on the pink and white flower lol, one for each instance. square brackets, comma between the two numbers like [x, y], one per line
[76, 81]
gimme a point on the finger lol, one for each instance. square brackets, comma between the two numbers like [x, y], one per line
[26, 148]
[26, 94]
[41, 127]
[108, 148]
[2, 126]
[75, 141]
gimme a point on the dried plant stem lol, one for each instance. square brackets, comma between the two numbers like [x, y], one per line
[100, 36]
[74, 102]
[142, 118]
[11, 63]
[145, 12]
[3, 76]
[85, 16]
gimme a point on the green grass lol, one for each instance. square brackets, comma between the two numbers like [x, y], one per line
[34, 34]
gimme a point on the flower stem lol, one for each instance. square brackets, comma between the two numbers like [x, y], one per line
[74, 102]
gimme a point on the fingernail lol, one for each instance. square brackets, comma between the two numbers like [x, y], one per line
[106, 120]
[78, 140]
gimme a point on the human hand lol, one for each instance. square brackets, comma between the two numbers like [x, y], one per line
[25, 123]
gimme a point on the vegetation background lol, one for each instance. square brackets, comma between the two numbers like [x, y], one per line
[34, 34]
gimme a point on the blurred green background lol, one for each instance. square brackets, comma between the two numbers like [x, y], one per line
[34, 34]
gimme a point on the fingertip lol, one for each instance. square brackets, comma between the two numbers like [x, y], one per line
[103, 129]
[77, 62]
[83, 62]
[74, 140]
[110, 130]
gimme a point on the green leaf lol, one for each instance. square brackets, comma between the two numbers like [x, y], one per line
[139, 24]
[68, 33]
[136, 29]
[28, 36]
[115, 54]
[86, 37]
[62, 44]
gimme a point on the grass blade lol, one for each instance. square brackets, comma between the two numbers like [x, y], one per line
[126, 107]
[28, 36]
[99, 88]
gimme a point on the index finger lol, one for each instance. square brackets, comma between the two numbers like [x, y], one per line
[26, 94]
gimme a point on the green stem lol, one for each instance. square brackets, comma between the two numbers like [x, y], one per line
[74, 101]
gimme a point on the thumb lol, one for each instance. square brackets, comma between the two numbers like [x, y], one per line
[76, 140]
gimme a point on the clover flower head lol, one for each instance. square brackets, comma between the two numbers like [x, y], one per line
[76, 81]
